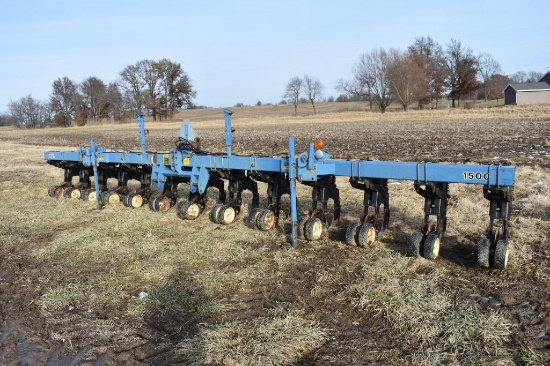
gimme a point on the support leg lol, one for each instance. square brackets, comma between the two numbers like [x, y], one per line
[493, 250]
[427, 241]
[373, 221]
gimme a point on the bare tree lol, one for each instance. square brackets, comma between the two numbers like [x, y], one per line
[114, 107]
[534, 76]
[463, 69]
[161, 87]
[292, 91]
[430, 56]
[371, 72]
[148, 72]
[519, 77]
[488, 67]
[132, 86]
[94, 94]
[313, 89]
[7, 120]
[407, 77]
[28, 112]
[176, 90]
[64, 101]
[353, 88]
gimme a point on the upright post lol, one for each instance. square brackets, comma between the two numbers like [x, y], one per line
[141, 121]
[96, 175]
[292, 179]
[228, 138]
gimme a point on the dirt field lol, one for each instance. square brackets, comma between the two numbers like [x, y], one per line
[120, 286]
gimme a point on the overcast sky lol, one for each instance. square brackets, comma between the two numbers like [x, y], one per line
[246, 51]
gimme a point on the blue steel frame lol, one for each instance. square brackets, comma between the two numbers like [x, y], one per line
[309, 166]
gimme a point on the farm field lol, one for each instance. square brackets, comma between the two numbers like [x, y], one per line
[136, 287]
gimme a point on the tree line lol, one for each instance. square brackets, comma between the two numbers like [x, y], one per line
[156, 88]
[423, 74]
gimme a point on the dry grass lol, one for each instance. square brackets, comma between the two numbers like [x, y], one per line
[440, 330]
[95, 260]
[279, 339]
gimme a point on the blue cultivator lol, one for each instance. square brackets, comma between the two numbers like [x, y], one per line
[160, 174]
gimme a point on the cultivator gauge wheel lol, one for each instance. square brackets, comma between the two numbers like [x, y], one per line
[301, 227]
[214, 212]
[114, 198]
[226, 215]
[104, 197]
[162, 203]
[314, 229]
[188, 210]
[67, 192]
[483, 252]
[151, 202]
[181, 209]
[431, 246]
[92, 196]
[55, 191]
[351, 233]
[415, 242]
[366, 235]
[266, 220]
[501, 254]
[75, 193]
[71, 192]
[135, 200]
[109, 198]
[124, 199]
[252, 218]
[84, 194]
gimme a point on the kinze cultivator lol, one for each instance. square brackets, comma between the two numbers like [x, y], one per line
[161, 173]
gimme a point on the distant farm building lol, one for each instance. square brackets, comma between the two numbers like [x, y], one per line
[528, 93]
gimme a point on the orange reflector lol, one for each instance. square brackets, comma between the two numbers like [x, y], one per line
[318, 144]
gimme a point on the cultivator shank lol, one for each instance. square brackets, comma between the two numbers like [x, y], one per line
[160, 174]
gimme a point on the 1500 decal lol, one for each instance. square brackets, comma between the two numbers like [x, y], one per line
[475, 175]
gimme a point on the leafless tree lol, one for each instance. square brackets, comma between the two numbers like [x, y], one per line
[64, 100]
[430, 56]
[488, 67]
[407, 77]
[463, 68]
[519, 77]
[148, 72]
[292, 91]
[176, 90]
[133, 85]
[534, 76]
[353, 88]
[7, 119]
[94, 94]
[114, 107]
[313, 89]
[526, 77]
[371, 73]
[161, 87]
[28, 112]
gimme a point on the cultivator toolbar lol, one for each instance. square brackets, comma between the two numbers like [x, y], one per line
[160, 174]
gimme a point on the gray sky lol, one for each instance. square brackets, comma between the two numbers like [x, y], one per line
[246, 51]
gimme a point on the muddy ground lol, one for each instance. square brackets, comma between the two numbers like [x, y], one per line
[25, 328]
